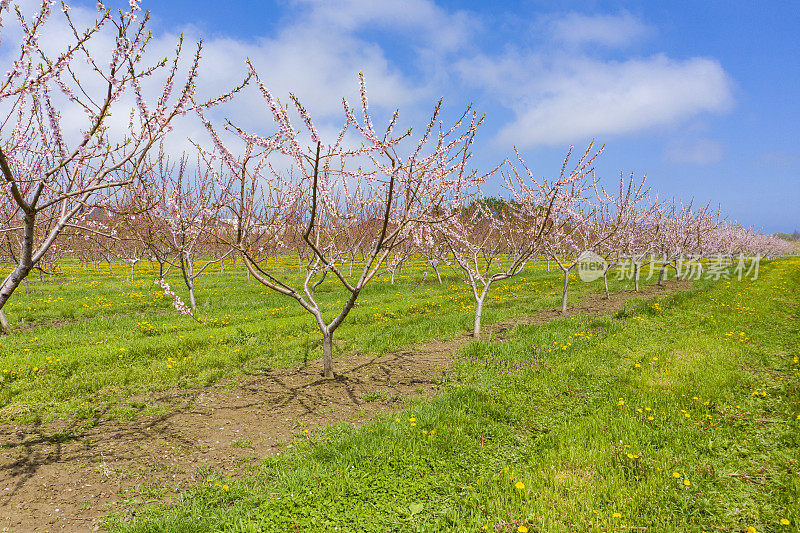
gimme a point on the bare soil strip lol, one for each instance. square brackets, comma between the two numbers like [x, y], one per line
[65, 477]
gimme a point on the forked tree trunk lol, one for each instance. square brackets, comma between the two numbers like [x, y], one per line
[479, 300]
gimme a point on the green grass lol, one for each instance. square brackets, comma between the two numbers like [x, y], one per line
[562, 408]
[678, 414]
[87, 340]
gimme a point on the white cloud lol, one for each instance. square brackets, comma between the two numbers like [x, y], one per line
[565, 99]
[317, 55]
[695, 152]
[576, 29]
[556, 97]
[430, 24]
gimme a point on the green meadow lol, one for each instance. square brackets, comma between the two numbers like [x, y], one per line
[677, 413]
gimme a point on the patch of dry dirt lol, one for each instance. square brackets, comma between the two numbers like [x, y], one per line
[66, 477]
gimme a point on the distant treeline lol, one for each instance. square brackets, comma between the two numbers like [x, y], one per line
[789, 236]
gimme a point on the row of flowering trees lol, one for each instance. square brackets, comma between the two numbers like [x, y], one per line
[381, 195]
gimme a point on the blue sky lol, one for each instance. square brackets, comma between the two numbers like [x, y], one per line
[700, 96]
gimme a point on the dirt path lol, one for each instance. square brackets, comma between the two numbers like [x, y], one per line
[65, 477]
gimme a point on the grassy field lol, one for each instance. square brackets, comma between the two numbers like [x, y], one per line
[676, 414]
[87, 339]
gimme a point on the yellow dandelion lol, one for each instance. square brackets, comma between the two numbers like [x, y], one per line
[784, 521]
[522, 529]
[687, 482]
[519, 485]
[676, 475]
[616, 515]
[224, 487]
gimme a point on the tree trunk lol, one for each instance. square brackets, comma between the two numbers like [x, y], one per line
[327, 354]
[133, 266]
[548, 264]
[393, 271]
[636, 277]
[191, 297]
[438, 276]
[661, 274]
[564, 293]
[5, 327]
[476, 329]
[605, 283]
[479, 301]
[17, 276]
[187, 268]
[25, 264]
